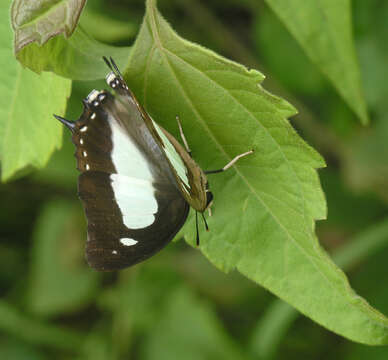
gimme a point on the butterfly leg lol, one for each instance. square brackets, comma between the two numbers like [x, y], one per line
[230, 163]
[196, 227]
[205, 222]
[183, 136]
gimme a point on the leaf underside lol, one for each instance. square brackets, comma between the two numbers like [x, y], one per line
[38, 21]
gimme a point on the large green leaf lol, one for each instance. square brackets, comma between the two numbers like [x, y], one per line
[43, 42]
[323, 28]
[265, 207]
[28, 134]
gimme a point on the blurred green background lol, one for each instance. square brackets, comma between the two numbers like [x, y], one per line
[176, 305]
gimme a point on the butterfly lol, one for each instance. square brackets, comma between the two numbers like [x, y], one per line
[137, 181]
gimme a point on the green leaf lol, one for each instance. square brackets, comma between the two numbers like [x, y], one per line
[58, 266]
[272, 40]
[41, 20]
[28, 134]
[189, 329]
[279, 317]
[265, 207]
[78, 57]
[43, 42]
[373, 52]
[324, 31]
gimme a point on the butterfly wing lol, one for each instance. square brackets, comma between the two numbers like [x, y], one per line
[189, 176]
[131, 198]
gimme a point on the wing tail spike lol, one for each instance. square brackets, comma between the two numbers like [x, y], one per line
[69, 124]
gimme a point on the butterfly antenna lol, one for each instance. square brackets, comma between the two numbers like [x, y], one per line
[116, 68]
[196, 226]
[112, 65]
[108, 63]
[204, 220]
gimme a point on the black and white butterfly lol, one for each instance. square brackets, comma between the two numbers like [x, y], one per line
[137, 182]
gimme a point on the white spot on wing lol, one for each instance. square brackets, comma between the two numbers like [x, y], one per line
[87, 167]
[136, 200]
[128, 241]
[132, 185]
[114, 252]
[126, 157]
[81, 141]
[83, 129]
[84, 153]
[93, 116]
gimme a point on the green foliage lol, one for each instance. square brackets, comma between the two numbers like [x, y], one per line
[280, 316]
[323, 29]
[39, 27]
[27, 137]
[203, 339]
[43, 20]
[82, 52]
[57, 262]
[178, 304]
[365, 164]
[103, 26]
